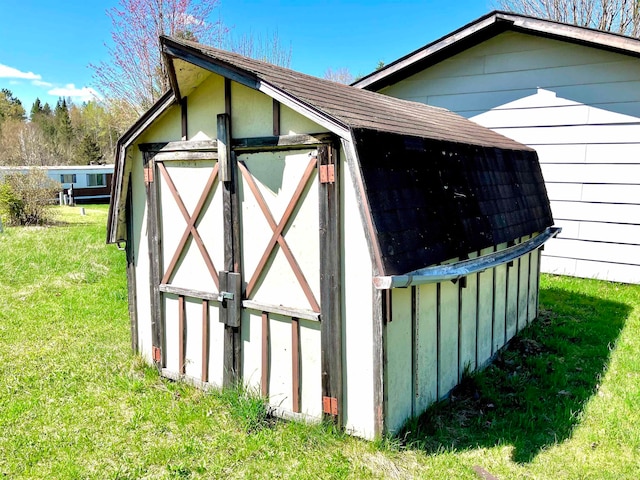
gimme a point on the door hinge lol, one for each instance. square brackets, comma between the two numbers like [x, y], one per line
[148, 174]
[156, 353]
[330, 406]
[327, 173]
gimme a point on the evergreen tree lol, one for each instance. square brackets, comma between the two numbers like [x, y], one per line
[88, 151]
[10, 106]
[63, 131]
[36, 109]
[42, 117]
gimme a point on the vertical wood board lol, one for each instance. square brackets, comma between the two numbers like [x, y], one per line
[252, 334]
[141, 256]
[534, 276]
[426, 367]
[485, 313]
[280, 385]
[499, 306]
[216, 346]
[204, 345]
[154, 227]
[523, 291]
[468, 324]
[448, 356]
[310, 369]
[331, 326]
[360, 367]
[265, 354]
[131, 270]
[399, 360]
[513, 277]
[193, 335]
[172, 350]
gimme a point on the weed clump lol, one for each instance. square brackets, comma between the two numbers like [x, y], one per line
[26, 198]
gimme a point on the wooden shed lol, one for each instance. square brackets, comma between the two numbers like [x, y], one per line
[343, 253]
[570, 92]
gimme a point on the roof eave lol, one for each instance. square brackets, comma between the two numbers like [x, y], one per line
[387, 74]
[489, 26]
[457, 270]
[321, 118]
[118, 200]
[173, 49]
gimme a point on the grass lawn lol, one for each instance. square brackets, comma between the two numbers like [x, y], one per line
[562, 402]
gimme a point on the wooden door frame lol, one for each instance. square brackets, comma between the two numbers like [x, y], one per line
[330, 223]
[155, 262]
[331, 282]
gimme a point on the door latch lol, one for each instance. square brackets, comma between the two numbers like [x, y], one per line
[222, 296]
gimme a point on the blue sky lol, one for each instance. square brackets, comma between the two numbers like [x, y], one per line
[46, 47]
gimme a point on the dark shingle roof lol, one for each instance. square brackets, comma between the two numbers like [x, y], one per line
[432, 201]
[356, 108]
[438, 185]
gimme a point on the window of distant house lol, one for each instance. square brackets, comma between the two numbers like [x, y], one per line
[96, 180]
[68, 178]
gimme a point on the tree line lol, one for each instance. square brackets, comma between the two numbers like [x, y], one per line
[130, 82]
[62, 134]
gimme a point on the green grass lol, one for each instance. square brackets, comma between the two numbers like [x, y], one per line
[562, 402]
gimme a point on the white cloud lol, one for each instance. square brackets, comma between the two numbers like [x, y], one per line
[69, 90]
[10, 72]
[40, 83]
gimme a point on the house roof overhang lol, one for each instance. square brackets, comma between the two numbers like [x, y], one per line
[489, 26]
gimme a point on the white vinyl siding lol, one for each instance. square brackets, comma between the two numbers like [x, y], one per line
[579, 107]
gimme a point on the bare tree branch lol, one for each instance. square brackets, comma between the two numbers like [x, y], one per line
[341, 75]
[618, 16]
[135, 76]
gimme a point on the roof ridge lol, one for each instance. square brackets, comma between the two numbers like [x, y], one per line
[350, 106]
[494, 23]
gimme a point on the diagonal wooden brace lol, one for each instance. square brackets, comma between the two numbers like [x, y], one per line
[277, 229]
[191, 220]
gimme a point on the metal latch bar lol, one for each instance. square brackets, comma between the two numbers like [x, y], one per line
[222, 296]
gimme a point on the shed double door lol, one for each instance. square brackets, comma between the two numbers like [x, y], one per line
[238, 273]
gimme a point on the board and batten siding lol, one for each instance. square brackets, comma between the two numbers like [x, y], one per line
[579, 107]
[440, 331]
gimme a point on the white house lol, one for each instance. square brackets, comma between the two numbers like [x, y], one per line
[571, 93]
[90, 183]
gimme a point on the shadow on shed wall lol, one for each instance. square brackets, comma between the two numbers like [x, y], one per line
[533, 394]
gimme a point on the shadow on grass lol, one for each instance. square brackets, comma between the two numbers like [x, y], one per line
[534, 393]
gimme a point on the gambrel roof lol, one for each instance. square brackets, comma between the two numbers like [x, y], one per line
[489, 26]
[342, 105]
[435, 185]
